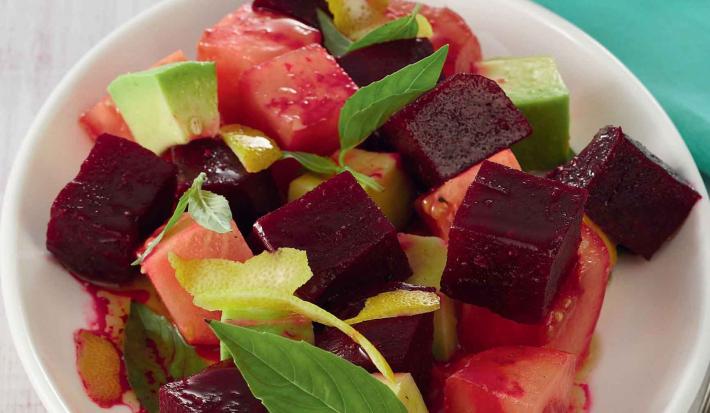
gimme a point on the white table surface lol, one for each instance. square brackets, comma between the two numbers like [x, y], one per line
[40, 40]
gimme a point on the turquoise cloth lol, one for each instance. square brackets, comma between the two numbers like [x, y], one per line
[666, 43]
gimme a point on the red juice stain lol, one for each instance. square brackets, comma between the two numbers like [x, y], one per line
[99, 359]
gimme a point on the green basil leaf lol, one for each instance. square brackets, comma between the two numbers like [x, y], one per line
[155, 354]
[371, 106]
[314, 163]
[364, 180]
[403, 28]
[336, 42]
[211, 211]
[284, 373]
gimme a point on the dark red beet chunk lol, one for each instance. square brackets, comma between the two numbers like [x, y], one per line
[220, 388]
[250, 195]
[513, 238]
[633, 196]
[372, 63]
[461, 122]
[350, 244]
[405, 342]
[303, 10]
[122, 193]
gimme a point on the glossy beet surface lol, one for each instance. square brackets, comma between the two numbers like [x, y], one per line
[350, 244]
[250, 195]
[405, 342]
[513, 238]
[375, 62]
[573, 314]
[633, 196]
[121, 194]
[220, 388]
[464, 120]
[303, 10]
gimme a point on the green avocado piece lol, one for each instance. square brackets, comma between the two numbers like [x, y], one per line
[536, 88]
[168, 105]
[427, 257]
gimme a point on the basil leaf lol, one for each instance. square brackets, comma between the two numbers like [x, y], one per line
[336, 43]
[283, 373]
[209, 210]
[371, 106]
[364, 180]
[155, 354]
[403, 28]
[314, 163]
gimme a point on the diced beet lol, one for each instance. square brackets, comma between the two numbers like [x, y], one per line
[461, 122]
[405, 342]
[372, 63]
[570, 322]
[250, 195]
[303, 10]
[512, 380]
[243, 39]
[296, 99]
[633, 196]
[350, 244]
[219, 388]
[121, 194]
[513, 238]
[449, 28]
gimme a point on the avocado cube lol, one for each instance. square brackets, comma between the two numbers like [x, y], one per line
[168, 105]
[535, 86]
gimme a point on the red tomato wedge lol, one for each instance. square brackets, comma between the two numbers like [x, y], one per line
[246, 38]
[513, 379]
[189, 240]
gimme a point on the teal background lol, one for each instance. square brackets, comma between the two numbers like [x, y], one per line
[667, 45]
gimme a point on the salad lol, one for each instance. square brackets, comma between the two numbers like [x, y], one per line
[341, 206]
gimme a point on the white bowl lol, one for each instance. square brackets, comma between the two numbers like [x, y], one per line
[654, 331]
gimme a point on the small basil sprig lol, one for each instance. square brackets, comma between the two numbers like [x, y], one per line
[154, 354]
[208, 209]
[338, 44]
[284, 373]
[370, 107]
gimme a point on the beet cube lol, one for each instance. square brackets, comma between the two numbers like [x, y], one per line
[461, 122]
[513, 239]
[219, 388]
[349, 241]
[250, 195]
[303, 10]
[374, 62]
[633, 196]
[122, 193]
[405, 342]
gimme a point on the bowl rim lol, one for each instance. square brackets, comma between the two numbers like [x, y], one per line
[693, 374]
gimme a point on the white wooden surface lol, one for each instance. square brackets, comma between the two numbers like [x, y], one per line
[39, 42]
